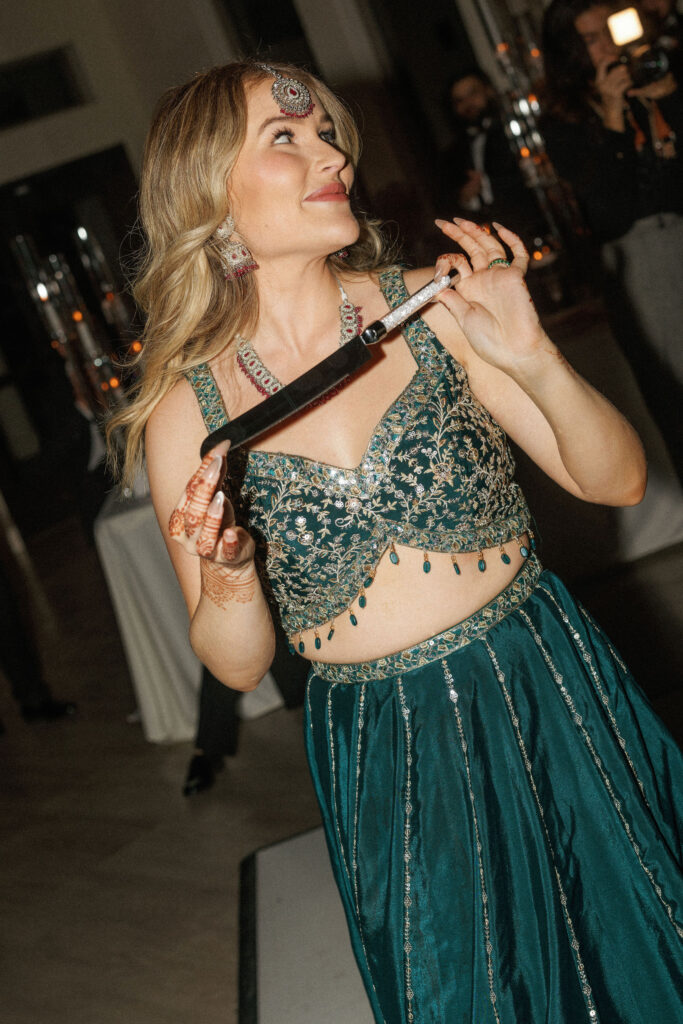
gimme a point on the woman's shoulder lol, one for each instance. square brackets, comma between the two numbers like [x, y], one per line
[176, 422]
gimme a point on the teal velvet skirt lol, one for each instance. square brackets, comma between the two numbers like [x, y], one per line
[500, 806]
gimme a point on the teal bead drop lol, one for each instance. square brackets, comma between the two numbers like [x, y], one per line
[368, 582]
[505, 557]
[524, 551]
[533, 543]
[291, 648]
[302, 647]
[362, 601]
[481, 565]
[318, 643]
[354, 620]
[426, 565]
[331, 633]
[393, 557]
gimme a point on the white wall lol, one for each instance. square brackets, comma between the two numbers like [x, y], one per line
[129, 53]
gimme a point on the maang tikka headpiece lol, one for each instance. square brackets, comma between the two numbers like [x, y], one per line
[291, 95]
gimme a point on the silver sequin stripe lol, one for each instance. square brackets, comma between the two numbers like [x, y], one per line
[514, 718]
[415, 302]
[453, 695]
[340, 844]
[578, 721]
[407, 883]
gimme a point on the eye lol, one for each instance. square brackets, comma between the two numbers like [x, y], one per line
[282, 135]
[328, 135]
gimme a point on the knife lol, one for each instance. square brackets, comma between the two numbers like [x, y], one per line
[320, 378]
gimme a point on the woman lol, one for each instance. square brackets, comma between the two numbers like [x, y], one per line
[619, 147]
[480, 783]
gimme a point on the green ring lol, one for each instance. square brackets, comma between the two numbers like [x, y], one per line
[500, 262]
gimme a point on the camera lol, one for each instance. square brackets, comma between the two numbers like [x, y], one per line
[646, 63]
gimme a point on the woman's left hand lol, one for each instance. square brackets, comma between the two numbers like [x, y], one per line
[491, 304]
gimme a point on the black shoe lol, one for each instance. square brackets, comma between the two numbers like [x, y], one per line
[201, 773]
[48, 710]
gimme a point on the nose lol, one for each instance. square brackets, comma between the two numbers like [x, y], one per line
[330, 157]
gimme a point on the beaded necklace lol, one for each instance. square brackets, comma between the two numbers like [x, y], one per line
[266, 383]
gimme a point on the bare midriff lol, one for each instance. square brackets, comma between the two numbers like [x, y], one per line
[406, 605]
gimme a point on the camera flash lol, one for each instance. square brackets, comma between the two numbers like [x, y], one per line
[625, 26]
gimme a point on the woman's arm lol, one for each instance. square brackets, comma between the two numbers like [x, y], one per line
[231, 630]
[567, 427]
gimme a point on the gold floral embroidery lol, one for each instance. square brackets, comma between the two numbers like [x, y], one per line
[437, 475]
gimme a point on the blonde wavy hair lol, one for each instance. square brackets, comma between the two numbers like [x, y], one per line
[192, 312]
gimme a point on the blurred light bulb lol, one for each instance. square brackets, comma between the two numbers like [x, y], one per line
[625, 26]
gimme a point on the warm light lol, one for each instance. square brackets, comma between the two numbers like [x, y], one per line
[136, 347]
[77, 316]
[625, 26]
[546, 250]
[535, 52]
[104, 386]
[113, 382]
[537, 254]
[42, 292]
[502, 48]
[54, 344]
[525, 151]
[109, 296]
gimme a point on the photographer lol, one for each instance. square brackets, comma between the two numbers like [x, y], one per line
[619, 148]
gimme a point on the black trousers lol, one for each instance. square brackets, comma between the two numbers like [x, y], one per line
[218, 727]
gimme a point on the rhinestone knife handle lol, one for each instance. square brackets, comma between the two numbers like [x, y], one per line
[401, 313]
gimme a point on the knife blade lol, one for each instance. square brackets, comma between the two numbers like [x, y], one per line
[315, 382]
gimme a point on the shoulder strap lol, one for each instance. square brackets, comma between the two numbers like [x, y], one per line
[208, 396]
[419, 336]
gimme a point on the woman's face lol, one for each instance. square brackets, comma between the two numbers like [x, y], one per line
[289, 188]
[592, 27]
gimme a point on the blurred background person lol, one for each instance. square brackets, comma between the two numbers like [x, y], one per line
[479, 175]
[619, 148]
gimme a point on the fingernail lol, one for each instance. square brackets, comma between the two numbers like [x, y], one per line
[216, 506]
[212, 473]
[440, 270]
[496, 225]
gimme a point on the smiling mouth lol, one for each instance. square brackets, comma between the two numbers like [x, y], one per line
[333, 193]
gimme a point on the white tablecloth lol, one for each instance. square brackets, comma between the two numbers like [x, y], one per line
[152, 618]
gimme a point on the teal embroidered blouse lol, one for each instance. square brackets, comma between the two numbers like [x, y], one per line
[437, 474]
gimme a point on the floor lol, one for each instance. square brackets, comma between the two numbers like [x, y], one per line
[118, 896]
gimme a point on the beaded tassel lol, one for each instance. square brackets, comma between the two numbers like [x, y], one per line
[393, 554]
[426, 564]
[523, 549]
[317, 641]
[456, 567]
[302, 645]
[362, 599]
[354, 620]
[481, 564]
[331, 632]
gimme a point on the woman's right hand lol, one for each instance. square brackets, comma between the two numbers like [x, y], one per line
[203, 521]
[612, 82]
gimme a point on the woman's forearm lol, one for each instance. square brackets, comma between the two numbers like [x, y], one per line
[598, 447]
[232, 630]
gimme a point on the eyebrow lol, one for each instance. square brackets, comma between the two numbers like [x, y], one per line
[326, 120]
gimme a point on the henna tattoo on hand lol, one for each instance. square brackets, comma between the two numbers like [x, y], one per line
[221, 584]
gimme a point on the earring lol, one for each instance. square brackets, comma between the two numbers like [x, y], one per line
[341, 254]
[235, 257]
